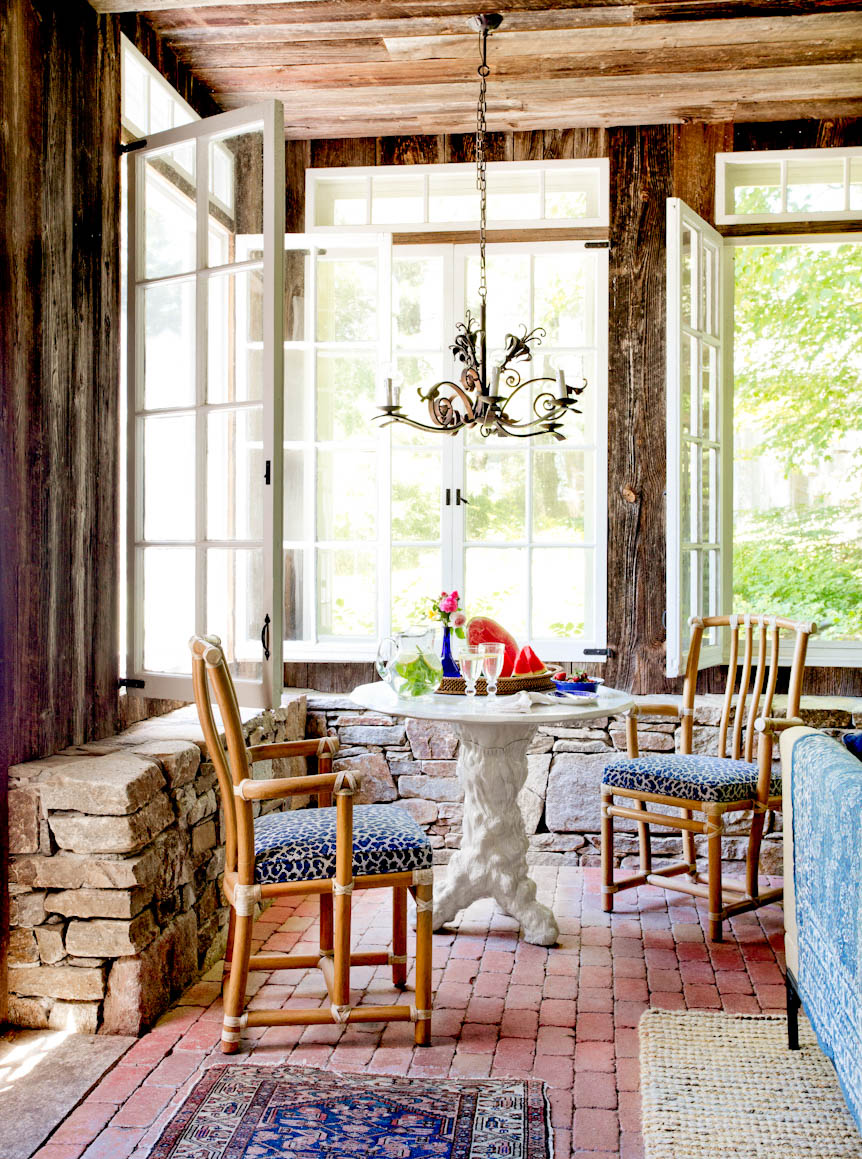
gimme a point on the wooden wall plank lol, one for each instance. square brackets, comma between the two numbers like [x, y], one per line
[59, 376]
[641, 177]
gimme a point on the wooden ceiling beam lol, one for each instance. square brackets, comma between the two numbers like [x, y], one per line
[264, 71]
[817, 81]
[747, 31]
[608, 117]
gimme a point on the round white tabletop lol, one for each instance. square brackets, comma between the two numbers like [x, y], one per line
[478, 710]
[492, 769]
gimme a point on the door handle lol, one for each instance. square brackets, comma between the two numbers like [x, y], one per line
[264, 637]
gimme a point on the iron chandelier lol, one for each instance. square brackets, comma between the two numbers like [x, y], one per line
[481, 399]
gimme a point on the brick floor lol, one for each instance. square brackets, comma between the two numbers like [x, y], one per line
[567, 1015]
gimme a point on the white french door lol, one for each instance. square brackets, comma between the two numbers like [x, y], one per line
[205, 321]
[699, 435]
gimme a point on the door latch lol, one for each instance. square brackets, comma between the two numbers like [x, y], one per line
[459, 498]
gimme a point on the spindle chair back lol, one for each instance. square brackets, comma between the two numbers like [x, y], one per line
[712, 785]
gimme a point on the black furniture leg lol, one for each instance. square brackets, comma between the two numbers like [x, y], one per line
[794, 1003]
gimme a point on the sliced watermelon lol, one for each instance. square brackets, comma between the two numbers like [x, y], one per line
[524, 662]
[528, 663]
[483, 630]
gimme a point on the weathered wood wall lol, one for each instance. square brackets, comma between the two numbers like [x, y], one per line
[59, 371]
[647, 165]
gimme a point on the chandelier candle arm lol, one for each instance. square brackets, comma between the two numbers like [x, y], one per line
[477, 401]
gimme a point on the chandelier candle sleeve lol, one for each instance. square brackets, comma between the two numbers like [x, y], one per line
[475, 401]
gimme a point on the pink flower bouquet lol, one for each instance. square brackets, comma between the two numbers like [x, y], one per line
[445, 609]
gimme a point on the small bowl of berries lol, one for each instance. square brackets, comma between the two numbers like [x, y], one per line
[577, 682]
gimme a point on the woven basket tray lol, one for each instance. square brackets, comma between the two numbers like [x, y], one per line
[506, 685]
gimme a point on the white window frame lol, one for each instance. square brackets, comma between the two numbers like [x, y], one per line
[154, 78]
[680, 216]
[453, 545]
[820, 653]
[381, 172]
[269, 115]
[726, 161]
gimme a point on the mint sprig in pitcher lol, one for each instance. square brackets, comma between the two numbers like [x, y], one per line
[409, 663]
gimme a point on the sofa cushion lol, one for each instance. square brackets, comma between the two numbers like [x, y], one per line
[300, 846]
[690, 777]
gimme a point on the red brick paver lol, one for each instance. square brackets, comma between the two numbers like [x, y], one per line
[566, 1015]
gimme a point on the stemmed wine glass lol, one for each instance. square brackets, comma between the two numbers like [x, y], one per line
[470, 661]
[492, 663]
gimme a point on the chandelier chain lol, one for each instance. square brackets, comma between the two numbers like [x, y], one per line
[483, 396]
[481, 160]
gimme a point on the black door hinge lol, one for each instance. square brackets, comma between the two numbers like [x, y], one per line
[597, 652]
[133, 146]
[597, 245]
[267, 472]
[128, 682]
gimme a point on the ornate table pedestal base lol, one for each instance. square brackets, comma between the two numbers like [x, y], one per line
[492, 860]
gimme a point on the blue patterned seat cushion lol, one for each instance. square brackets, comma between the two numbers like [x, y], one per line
[691, 778]
[300, 846]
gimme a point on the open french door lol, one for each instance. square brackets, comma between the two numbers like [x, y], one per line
[205, 401]
[699, 432]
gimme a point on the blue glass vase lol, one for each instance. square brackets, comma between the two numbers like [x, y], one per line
[450, 668]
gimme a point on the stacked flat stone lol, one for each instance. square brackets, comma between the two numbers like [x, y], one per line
[117, 852]
[413, 763]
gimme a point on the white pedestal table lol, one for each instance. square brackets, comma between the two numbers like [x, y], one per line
[492, 769]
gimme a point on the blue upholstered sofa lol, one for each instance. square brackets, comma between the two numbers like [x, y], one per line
[822, 799]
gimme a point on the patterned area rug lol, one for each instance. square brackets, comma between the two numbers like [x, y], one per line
[716, 1086]
[264, 1112]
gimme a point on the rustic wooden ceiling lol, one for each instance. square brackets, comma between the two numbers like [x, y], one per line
[379, 67]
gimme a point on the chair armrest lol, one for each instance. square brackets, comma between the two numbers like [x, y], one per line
[273, 788]
[660, 708]
[773, 724]
[326, 746]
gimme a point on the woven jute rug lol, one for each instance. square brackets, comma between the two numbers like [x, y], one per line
[261, 1112]
[715, 1086]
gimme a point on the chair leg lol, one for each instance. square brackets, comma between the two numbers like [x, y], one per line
[607, 853]
[326, 927]
[424, 918]
[752, 857]
[228, 951]
[714, 830]
[688, 850]
[234, 994]
[399, 935]
[341, 980]
[644, 840]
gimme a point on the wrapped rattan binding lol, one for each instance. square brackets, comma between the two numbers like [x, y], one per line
[506, 685]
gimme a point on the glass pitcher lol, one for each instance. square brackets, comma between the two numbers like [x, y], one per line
[409, 663]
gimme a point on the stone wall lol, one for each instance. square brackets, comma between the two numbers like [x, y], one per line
[413, 763]
[117, 849]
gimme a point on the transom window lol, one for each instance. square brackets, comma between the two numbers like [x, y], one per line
[546, 194]
[789, 185]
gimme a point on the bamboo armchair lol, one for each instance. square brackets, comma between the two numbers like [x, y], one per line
[309, 851]
[709, 785]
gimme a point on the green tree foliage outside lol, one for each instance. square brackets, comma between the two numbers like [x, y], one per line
[798, 412]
